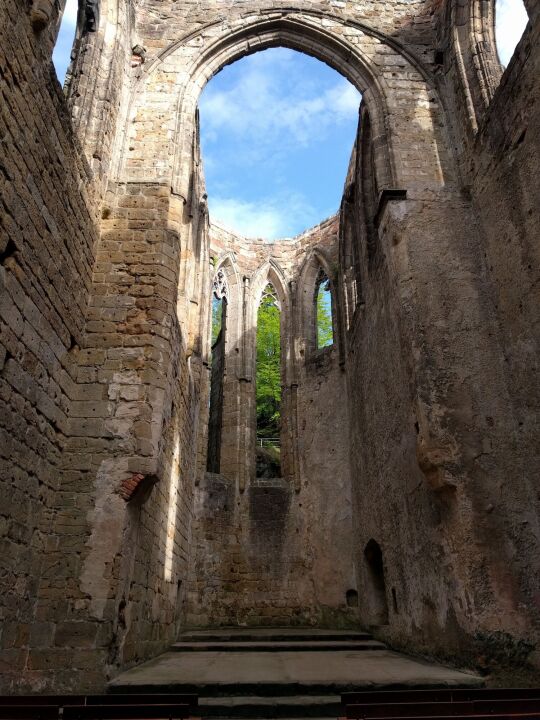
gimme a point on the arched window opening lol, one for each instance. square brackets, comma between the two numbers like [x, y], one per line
[510, 22]
[269, 121]
[323, 311]
[377, 603]
[268, 385]
[217, 373]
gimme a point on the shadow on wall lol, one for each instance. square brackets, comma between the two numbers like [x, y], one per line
[377, 606]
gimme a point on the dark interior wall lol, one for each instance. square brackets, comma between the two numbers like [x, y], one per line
[429, 447]
[443, 393]
[505, 186]
[48, 235]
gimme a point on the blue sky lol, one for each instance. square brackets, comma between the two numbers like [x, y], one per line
[277, 130]
[62, 49]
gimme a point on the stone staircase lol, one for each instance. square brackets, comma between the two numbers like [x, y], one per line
[281, 672]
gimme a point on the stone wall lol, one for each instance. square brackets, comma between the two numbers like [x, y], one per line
[262, 553]
[112, 534]
[438, 440]
[48, 235]
[102, 402]
[504, 184]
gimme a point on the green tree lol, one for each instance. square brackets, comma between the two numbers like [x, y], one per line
[217, 317]
[325, 331]
[268, 375]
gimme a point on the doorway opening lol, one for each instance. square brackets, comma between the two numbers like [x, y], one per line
[377, 603]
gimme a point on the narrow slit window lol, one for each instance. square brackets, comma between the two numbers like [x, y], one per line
[217, 372]
[323, 311]
[268, 385]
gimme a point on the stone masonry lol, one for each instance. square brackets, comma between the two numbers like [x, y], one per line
[409, 497]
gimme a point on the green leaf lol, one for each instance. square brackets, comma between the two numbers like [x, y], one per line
[325, 331]
[268, 372]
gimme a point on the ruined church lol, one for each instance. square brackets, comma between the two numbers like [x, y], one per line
[135, 501]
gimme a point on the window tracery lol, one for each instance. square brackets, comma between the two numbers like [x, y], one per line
[270, 297]
[220, 287]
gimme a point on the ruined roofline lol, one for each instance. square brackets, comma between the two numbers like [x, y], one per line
[295, 238]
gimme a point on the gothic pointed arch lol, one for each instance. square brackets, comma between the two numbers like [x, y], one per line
[317, 270]
[470, 29]
[226, 270]
[272, 273]
[204, 52]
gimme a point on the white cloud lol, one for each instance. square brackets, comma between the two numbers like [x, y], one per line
[511, 19]
[273, 121]
[70, 13]
[64, 41]
[265, 218]
[258, 108]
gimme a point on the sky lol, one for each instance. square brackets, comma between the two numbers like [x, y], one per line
[510, 21]
[277, 130]
[64, 43]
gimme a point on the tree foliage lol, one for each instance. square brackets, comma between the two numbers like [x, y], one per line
[325, 331]
[268, 377]
[217, 317]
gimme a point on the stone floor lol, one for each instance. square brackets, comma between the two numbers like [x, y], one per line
[287, 674]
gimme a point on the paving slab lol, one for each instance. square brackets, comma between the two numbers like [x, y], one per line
[340, 670]
[280, 645]
[272, 634]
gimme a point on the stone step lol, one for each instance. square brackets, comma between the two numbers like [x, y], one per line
[272, 635]
[270, 706]
[277, 646]
[285, 673]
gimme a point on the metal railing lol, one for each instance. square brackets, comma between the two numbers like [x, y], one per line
[268, 442]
